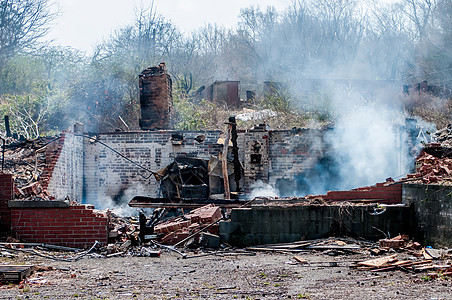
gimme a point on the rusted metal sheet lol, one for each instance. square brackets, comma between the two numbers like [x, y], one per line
[225, 92]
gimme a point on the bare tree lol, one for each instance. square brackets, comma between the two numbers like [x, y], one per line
[22, 23]
[421, 14]
[342, 26]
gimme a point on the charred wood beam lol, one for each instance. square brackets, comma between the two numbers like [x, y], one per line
[7, 127]
[235, 153]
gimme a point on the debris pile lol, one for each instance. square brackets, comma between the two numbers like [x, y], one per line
[433, 165]
[180, 228]
[396, 242]
[27, 161]
[331, 246]
[385, 192]
[444, 136]
[413, 257]
[392, 263]
[434, 162]
[121, 229]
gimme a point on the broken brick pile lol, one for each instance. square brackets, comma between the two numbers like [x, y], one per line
[397, 242]
[180, 228]
[385, 193]
[433, 165]
[120, 229]
[31, 162]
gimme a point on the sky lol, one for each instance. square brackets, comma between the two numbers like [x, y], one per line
[83, 23]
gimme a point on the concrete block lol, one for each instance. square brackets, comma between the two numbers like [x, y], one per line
[227, 227]
[209, 240]
[240, 215]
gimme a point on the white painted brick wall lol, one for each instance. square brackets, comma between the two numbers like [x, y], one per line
[91, 172]
[67, 178]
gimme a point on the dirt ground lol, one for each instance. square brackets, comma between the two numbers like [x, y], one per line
[261, 276]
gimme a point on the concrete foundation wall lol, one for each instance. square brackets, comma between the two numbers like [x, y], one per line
[274, 224]
[432, 212]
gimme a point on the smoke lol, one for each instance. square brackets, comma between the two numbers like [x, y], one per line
[117, 198]
[371, 139]
[261, 189]
[367, 145]
[121, 209]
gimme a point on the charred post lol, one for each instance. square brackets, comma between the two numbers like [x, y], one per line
[235, 153]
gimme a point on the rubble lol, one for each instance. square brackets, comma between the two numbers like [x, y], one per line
[434, 162]
[394, 243]
[179, 228]
[26, 160]
[431, 168]
[121, 229]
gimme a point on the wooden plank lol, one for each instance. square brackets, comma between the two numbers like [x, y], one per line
[433, 253]
[334, 247]
[378, 262]
[298, 244]
[401, 262]
[261, 249]
[300, 260]
[424, 268]
[426, 255]
[408, 264]
[294, 245]
[224, 164]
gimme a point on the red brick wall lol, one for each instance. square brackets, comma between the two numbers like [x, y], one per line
[73, 226]
[6, 194]
[53, 151]
[389, 194]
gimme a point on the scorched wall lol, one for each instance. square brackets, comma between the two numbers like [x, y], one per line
[64, 158]
[109, 168]
[110, 178]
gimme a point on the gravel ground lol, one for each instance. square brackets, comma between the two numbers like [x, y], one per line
[262, 276]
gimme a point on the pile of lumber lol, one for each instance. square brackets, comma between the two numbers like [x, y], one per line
[391, 263]
[342, 245]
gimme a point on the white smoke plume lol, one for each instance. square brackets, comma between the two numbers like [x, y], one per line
[117, 199]
[369, 142]
[261, 189]
[367, 145]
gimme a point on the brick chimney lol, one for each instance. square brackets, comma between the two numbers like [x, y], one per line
[156, 98]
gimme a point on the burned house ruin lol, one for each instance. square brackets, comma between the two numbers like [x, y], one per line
[177, 168]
